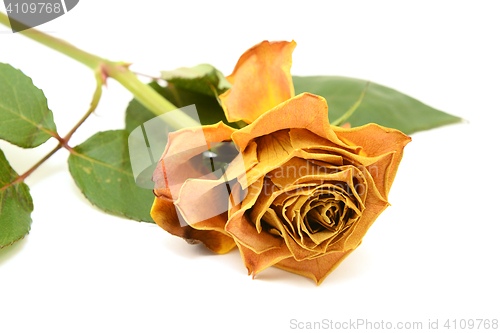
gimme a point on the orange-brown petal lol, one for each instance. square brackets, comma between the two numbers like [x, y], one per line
[245, 232]
[316, 269]
[257, 262]
[305, 111]
[181, 147]
[377, 140]
[212, 233]
[375, 204]
[261, 80]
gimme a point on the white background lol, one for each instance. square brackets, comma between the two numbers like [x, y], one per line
[432, 255]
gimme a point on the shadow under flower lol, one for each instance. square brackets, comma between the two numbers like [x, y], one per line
[180, 248]
[354, 266]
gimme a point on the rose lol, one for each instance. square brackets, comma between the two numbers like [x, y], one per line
[308, 191]
[315, 190]
[265, 72]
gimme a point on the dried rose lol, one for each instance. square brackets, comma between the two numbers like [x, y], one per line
[303, 193]
[315, 190]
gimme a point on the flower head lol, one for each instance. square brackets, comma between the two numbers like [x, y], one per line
[302, 195]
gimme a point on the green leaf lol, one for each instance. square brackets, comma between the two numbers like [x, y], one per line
[101, 169]
[204, 79]
[209, 110]
[16, 205]
[380, 105]
[25, 119]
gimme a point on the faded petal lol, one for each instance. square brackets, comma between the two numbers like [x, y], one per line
[211, 232]
[257, 262]
[170, 175]
[305, 111]
[261, 80]
[174, 167]
[316, 269]
[245, 233]
[377, 140]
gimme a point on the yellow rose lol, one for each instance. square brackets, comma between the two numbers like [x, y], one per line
[315, 190]
[309, 191]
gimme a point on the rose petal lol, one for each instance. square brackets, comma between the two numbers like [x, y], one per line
[306, 139]
[316, 269]
[181, 147]
[250, 195]
[376, 141]
[375, 204]
[175, 166]
[305, 111]
[200, 199]
[257, 262]
[298, 250]
[382, 167]
[212, 234]
[261, 80]
[245, 232]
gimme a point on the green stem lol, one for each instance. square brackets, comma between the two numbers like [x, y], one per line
[96, 97]
[63, 142]
[116, 70]
[57, 44]
[149, 97]
[22, 177]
